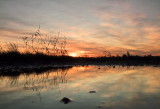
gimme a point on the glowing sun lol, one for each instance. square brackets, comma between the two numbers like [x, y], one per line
[73, 54]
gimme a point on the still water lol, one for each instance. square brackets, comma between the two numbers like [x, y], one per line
[113, 88]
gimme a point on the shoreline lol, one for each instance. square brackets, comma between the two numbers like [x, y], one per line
[16, 70]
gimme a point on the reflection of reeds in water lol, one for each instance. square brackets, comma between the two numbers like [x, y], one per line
[48, 80]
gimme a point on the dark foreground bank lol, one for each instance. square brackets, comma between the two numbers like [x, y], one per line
[16, 59]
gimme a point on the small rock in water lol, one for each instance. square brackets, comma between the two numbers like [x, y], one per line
[66, 100]
[92, 91]
[99, 106]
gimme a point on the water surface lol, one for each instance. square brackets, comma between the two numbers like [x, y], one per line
[116, 88]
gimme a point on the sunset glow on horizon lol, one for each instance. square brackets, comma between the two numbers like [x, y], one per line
[73, 54]
[90, 26]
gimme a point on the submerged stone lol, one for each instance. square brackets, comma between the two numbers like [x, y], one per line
[92, 91]
[66, 100]
[99, 106]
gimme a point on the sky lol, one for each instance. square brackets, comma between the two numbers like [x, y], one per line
[91, 26]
